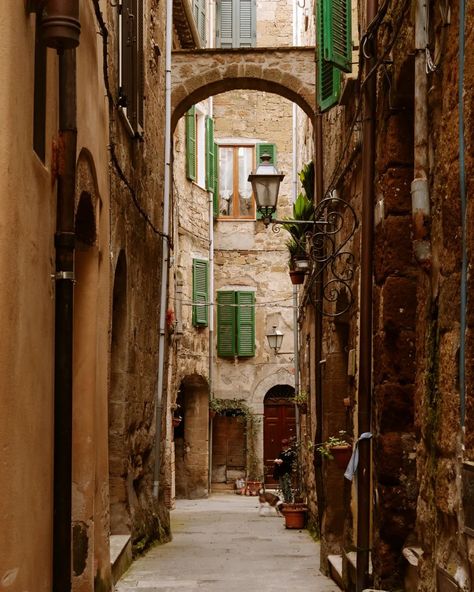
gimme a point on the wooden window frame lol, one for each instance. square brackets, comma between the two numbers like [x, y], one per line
[235, 186]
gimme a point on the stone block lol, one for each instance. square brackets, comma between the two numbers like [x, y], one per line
[449, 302]
[394, 357]
[393, 248]
[394, 185]
[394, 406]
[395, 142]
[399, 303]
[446, 493]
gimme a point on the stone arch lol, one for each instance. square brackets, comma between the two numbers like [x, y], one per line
[281, 377]
[288, 72]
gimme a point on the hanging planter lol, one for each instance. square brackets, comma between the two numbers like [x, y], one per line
[342, 455]
[297, 276]
[176, 421]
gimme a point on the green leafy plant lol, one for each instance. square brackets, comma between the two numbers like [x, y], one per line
[306, 176]
[324, 448]
[301, 397]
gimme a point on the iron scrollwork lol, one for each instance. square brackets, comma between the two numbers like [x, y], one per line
[332, 262]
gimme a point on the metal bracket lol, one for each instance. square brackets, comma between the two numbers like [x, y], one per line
[64, 275]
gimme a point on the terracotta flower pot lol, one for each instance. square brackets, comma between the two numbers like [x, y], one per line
[295, 515]
[342, 455]
[297, 276]
[303, 408]
[176, 421]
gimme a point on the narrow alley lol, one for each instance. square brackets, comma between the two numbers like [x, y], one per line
[222, 544]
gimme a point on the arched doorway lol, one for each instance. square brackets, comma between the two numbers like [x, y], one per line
[117, 405]
[84, 392]
[279, 422]
[191, 439]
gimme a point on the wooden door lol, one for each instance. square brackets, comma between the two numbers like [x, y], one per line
[279, 423]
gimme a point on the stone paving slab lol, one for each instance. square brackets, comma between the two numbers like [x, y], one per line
[221, 544]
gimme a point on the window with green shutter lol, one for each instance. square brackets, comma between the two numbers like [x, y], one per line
[328, 76]
[235, 323]
[236, 23]
[191, 144]
[245, 323]
[226, 324]
[337, 33]
[216, 181]
[210, 159]
[265, 149]
[200, 292]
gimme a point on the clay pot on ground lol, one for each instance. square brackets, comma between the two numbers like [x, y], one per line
[295, 515]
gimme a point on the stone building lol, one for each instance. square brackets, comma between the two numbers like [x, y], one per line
[410, 307]
[79, 355]
[220, 242]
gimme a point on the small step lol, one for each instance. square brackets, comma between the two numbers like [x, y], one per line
[335, 569]
[120, 554]
[222, 487]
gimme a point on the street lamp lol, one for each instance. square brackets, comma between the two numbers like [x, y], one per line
[275, 339]
[266, 185]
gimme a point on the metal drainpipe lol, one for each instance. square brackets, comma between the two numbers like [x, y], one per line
[211, 326]
[419, 186]
[364, 402]
[318, 321]
[297, 372]
[165, 249]
[64, 300]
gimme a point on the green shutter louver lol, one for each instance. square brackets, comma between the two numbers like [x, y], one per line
[191, 144]
[246, 18]
[225, 24]
[210, 160]
[328, 77]
[245, 323]
[200, 292]
[265, 149]
[216, 181]
[337, 33]
[226, 325]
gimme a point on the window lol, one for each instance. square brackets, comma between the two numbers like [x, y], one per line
[235, 323]
[200, 149]
[39, 109]
[235, 196]
[131, 63]
[233, 193]
[200, 292]
[199, 12]
[236, 23]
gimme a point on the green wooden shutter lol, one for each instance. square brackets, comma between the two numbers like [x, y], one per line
[328, 77]
[191, 144]
[225, 24]
[226, 339]
[245, 323]
[266, 149]
[245, 13]
[337, 33]
[216, 181]
[210, 160]
[200, 292]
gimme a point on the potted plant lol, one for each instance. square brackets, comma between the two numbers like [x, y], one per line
[176, 418]
[296, 274]
[301, 399]
[293, 509]
[336, 448]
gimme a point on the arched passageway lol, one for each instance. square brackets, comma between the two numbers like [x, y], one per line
[191, 439]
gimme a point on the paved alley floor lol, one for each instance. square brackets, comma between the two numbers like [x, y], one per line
[222, 545]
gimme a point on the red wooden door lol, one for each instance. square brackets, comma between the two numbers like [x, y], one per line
[279, 423]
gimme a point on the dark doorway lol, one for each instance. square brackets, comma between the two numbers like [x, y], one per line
[279, 423]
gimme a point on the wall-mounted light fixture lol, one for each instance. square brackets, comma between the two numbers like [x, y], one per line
[275, 339]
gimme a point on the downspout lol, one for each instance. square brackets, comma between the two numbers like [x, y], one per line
[211, 320]
[318, 321]
[419, 186]
[364, 403]
[294, 137]
[60, 30]
[297, 373]
[165, 249]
